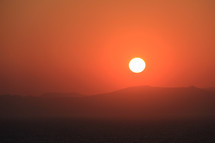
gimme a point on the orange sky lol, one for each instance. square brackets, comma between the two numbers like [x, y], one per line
[85, 45]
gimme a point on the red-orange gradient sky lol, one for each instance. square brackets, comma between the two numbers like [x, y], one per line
[85, 45]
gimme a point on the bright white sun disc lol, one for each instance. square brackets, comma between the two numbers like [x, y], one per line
[137, 65]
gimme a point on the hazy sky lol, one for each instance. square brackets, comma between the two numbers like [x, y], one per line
[85, 45]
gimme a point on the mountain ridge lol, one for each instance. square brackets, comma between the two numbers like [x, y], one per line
[135, 102]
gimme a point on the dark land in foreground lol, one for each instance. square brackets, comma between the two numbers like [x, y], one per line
[132, 115]
[94, 131]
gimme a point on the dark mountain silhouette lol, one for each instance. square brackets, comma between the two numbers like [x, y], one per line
[211, 89]
[130, 103]
[61, 95]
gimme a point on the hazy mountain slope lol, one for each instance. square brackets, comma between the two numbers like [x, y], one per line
[134, 102]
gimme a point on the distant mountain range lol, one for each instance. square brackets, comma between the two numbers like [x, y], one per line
[143, 102]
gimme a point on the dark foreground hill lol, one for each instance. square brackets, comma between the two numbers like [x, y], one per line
[140, 103]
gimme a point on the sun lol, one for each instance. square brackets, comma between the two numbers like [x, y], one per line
[137, 65]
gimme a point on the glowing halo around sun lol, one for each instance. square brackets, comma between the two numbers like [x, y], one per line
[137, 65]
